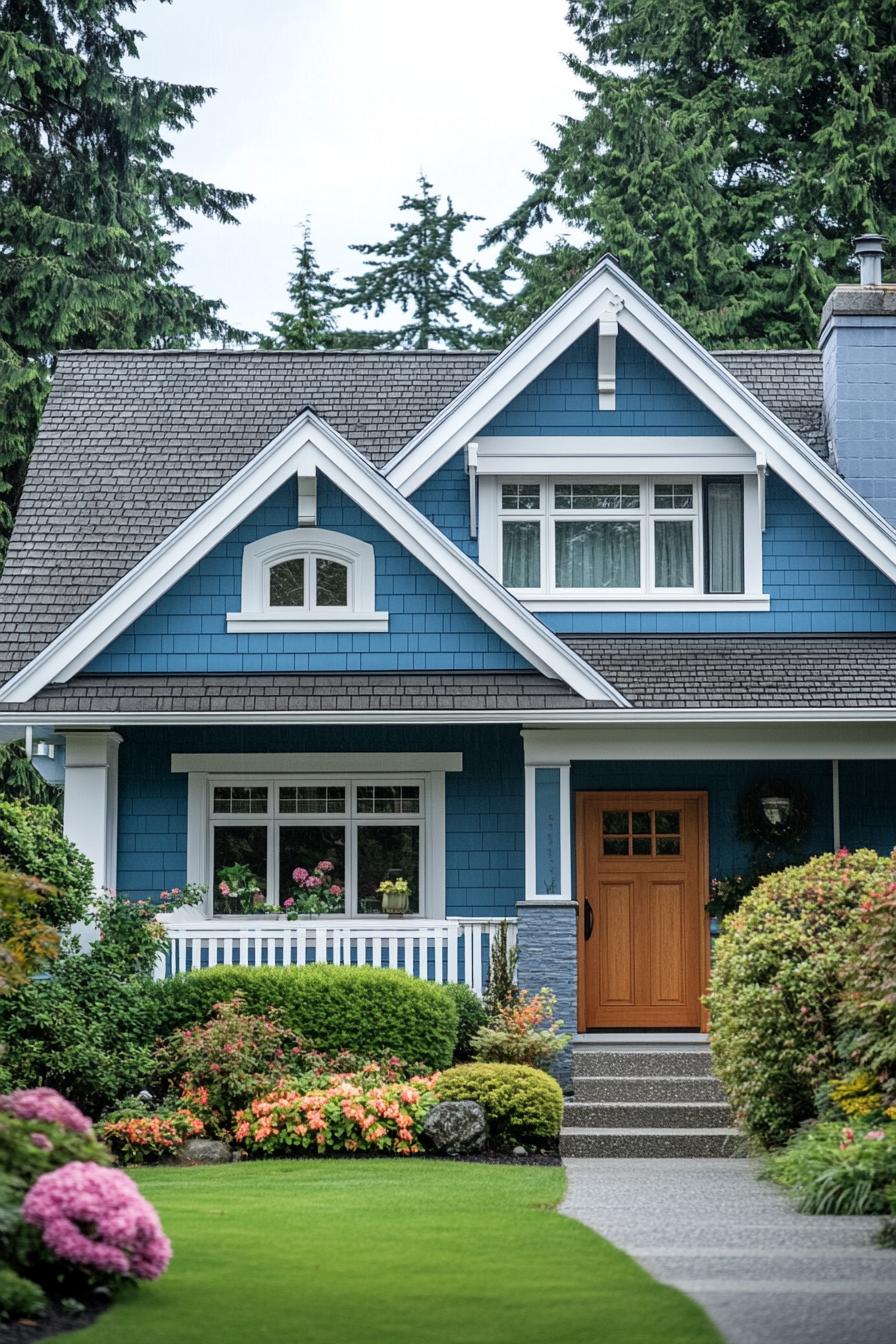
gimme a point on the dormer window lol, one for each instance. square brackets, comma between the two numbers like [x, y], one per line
[648, 543]
[307, 580]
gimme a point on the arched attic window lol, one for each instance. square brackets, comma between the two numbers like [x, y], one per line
[306, 580]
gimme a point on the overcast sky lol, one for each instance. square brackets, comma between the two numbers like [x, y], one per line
[332, 107]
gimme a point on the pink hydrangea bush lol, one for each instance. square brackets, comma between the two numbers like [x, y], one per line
[95, 1218]
[315, 892]
[43, 1103]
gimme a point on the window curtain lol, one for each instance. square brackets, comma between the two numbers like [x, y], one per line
[724, 537]
[522, 554]
[598, 554]
[674, 554]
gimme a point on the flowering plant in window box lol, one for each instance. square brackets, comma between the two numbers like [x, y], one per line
[395, 893]
[239, 892]
[316, 892]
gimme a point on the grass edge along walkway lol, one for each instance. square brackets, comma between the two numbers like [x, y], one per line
[386, 1252]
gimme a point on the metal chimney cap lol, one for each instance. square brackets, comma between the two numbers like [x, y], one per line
[869, 248]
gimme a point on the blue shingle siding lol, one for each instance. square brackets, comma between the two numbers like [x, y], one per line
[186, 630]
[563, 399]
[445, 500]
[816, 579]
[859, 355]
[484, 807]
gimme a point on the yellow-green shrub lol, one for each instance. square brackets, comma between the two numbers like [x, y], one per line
[776, 984]
[523, 1105]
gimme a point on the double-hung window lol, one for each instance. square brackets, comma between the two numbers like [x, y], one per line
[367, 828]
[662, 536]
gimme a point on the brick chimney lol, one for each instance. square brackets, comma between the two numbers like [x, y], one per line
[858, 345]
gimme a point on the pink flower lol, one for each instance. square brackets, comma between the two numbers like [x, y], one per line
[336, 890]
[288, 903]
[42, 1103]
[223, 888]
[325, 866]
[299, 874]
[258, 898]
[875, 1134]
[313, 882]
[126, 1236]
[41, 1141]
[164, 895]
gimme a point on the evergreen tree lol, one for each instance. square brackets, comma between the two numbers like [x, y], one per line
[417, 269]
[88, 207]
[309, 325]
[727, 152]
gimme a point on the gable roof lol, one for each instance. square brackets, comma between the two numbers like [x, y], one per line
[306, 446]
[132, 443]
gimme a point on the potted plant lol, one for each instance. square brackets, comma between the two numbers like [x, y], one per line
[395, 894]
[316, 892]
[239, 892]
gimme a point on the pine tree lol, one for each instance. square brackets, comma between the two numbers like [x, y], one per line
[309, 325]
[417, 269]
[726, 153]
[89, 209]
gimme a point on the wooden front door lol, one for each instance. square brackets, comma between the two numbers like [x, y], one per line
[642, 888]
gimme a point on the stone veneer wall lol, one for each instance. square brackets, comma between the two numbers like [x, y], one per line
[546, 939]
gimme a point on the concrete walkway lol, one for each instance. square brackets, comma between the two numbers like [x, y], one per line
[764, 1273]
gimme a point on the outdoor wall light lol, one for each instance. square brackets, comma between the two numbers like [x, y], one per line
[777, 809]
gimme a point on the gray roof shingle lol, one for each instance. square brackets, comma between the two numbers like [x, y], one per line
[133, 442]
[653, 671]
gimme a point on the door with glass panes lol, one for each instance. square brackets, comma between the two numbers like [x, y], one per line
[642, 889]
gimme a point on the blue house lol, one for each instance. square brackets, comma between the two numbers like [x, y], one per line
[533, 632]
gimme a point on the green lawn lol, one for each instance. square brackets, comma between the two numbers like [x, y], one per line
[382, 1252]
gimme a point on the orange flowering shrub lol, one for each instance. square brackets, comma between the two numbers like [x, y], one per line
[136, 1138]
[522, 1031]
[345, 1113]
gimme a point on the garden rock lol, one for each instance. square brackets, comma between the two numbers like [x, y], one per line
[203, 1153]
[456, 1127]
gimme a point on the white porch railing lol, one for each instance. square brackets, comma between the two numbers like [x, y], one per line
[445, 951]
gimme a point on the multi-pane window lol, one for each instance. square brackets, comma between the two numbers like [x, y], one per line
[658, 535]
[309, 582]
[367, 829]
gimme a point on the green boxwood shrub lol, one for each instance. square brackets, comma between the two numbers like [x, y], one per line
[374, 1013]
[523, 1105]
[19, 1297]
[471, 1015]
[776, 984]
[31, 842]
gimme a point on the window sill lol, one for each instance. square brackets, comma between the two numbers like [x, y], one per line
[627, 602]
[308, 623]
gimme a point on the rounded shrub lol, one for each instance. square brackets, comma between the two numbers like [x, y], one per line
[776, 984]
[523, 1105]
[19, 1297]
[867, 1011]
[32, 842]
[471, 1015]
[374, 1013]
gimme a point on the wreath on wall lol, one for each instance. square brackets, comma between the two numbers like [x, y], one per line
[773, 817]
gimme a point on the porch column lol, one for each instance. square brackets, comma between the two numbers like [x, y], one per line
[546, 919]
[90, 806]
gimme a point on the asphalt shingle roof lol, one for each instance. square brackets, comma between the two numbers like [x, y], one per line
[133, 442]
[653, 672]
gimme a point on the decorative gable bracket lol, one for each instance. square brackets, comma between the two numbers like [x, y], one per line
[607, 331]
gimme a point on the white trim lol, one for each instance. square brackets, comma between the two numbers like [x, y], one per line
[90, 805]
[625, 602]
[306, 446]
[315, 763]
[565, 836]
[738, 409]
[708, 742]
[427, 769]
[531, 857]
[307, 501]
[307, 543]
[608, 454]
[607, 331]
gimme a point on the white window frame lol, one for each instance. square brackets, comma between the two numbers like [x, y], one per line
[395, 768]
[647, 597]
[256, 615]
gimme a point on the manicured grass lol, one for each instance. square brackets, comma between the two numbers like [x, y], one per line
[383, 1252]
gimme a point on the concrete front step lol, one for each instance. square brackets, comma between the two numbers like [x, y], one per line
[607, 1142]
[592, 1062]
[647, 1114]
[659, 1088]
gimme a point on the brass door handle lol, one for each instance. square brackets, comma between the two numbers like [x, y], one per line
[589, 920]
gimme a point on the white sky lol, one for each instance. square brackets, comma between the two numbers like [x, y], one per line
[332, 107]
